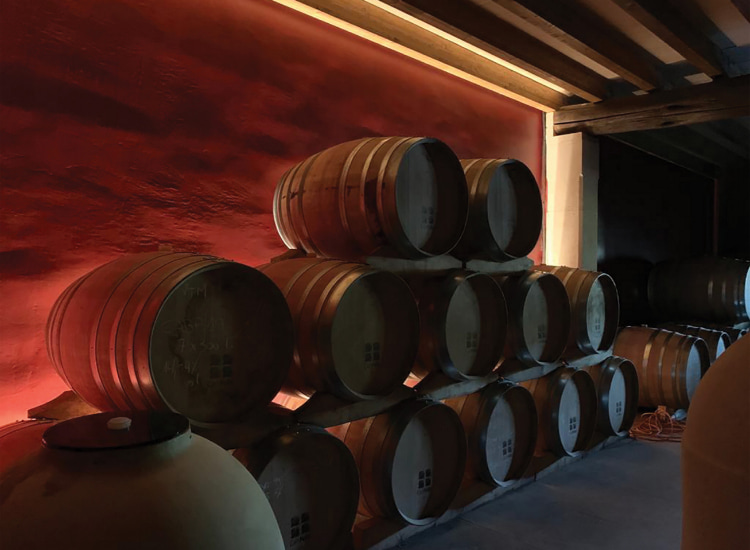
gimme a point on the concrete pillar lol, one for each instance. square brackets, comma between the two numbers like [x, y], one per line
[572, 168]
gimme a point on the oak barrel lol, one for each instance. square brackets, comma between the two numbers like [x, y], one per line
[538, 316]
[594, 309]
[501, 430]
[566, 407]
[669, 364]
[505, 210]
[311, 480]
[706, 289]
[198, 335]
[380, 196]
[464, 322]
[716, 340]
[357, 327]
[411, 460]
[616, 382]
[19, 440]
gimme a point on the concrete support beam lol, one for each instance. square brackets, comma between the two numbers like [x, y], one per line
[572, 167]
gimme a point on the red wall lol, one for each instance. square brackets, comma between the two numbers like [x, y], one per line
[129, 124]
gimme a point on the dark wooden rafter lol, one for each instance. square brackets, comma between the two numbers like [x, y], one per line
[477, 26]
[587, 33]
[670, 25]
[718, 100]
[744, 8]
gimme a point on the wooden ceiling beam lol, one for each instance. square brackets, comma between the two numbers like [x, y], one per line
[477, 26]
[366, 19]
[744, 8]
[669, 24]
[718, 100]
[587, 33]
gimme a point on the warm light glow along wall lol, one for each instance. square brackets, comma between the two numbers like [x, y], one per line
[399, 31]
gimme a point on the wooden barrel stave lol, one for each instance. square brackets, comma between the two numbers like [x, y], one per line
[669, 364]
[566, 406]
[148, 331]
[20, 440]
[501, 426]
[616, 381]
[365, 197]
[539, 317]
[505, 210]
[340, 309]
[594, 307]
[411, 460]
[463, 324]
[302, 470]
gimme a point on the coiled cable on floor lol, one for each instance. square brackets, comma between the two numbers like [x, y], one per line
[658, 426]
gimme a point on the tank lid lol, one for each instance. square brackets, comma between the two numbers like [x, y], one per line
[115, 430]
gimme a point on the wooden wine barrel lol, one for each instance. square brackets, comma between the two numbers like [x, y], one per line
[735, 333]
[411, 460]
[311, 480]
[616, 382]
[501, 429]
[716, 340]
[204, 337]
[594, 309]
[380, 196]
[464, 322]
[538, 315]
[19, 440]
[566, 406]
[669, 364]
[505, 210]
[706, 289]
[357, 327]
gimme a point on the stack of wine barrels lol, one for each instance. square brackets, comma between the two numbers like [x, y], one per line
[205, 337]
[303, 470]
[669, 364]
[566, 404]
[705, 289]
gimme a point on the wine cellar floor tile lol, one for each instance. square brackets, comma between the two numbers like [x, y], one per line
[617, 499]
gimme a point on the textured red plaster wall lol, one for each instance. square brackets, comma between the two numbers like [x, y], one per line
[127, 124]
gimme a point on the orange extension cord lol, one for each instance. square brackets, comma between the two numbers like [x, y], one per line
[658, 426]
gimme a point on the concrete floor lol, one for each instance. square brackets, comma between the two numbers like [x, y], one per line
[622, 498]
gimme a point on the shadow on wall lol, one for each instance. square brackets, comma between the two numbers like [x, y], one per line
[128, 125]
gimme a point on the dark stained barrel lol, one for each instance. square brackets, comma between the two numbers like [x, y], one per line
[19, 440]
[538, 316]
[670, 364]
[385, 196]
[501, 430]
[566, 406]
[357, 327]
[616, 382]
[505, 210]
[594, 309]
[464, 322]
[411, 460]
[716, 340]
[706, 289]
[311, 480]
[204, 337]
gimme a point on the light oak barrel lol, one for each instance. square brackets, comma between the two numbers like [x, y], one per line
[385, 196]
[205, 337]
[616, 382]
[716, 340]
[357, 327]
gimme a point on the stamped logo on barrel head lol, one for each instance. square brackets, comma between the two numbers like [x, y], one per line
[424, 482]
[300, 529]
